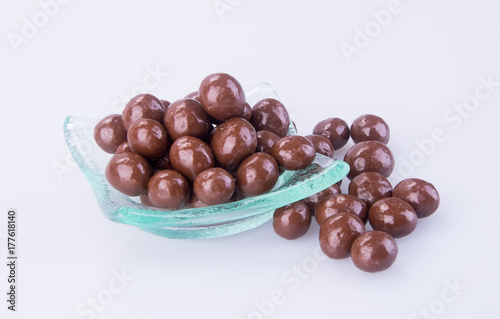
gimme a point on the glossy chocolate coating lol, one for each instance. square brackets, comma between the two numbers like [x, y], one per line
[335, 129]
[270, 115]
[314, 199]
[190, 156]
[162, 162]
[370, 127]
[292, 221]
[109, 133]
[186, 117]
[337, 233]
[394, 216]
[222, 96]
[293, 152]
[193, 95]
[421, 195]
[341, 203]
[129, 173]
[247, 112]
[370, 187]
[265, 141]
[370, 156]
[233, 141]
[148, 138]
[321, 144]
[374, 251]
[165, 103]
[123, 148]
[257, 174]
[214, 186]
[168, 189]
[142, 106]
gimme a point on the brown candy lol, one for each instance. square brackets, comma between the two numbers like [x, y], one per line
[148, 138]
[341, 203]
[370, 156]
[247, 112]
[265, 141]
[370, 127]
[421, 195]
[292, 221]
[314, 199]
[109, 133]
[293, 152]
[123, 148]
[190, 156]
[233, 141]
[162, 162]
[222, 96]
[321, 144]
[335, 129]
[186, 117]
[142, 106]
[257, 174]
[370, 187]
[165, 103]
[168, 189]
[394, 216]
[337, 233]
[214, 186]
[374, 251]
[129, 173]
[270, 115]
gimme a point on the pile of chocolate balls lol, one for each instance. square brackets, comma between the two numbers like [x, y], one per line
[211, 147]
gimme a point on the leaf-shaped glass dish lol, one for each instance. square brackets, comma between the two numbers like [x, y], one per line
[204, 222]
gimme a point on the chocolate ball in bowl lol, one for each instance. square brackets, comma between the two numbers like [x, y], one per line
[370, 156]
[335, 129]
[123, 148]
[293, 152]
[129, 173]
[190, 156]
[109, 133]
[247, 112]
[168, 189]
[265, 141]
[421, 195]
[370, 187]
[148, 138]
[292, 221]
[142, 106]
[186, 117]
[162, 162]
[222, 96]
[257, 174]
[270, 115]
[370, 127]
[394, 216]
[214, 186]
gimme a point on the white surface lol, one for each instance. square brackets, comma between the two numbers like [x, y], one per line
[427, 59]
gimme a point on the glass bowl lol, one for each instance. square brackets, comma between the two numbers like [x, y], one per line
[204, 222]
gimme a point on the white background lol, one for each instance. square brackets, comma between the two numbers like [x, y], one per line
[428, 58]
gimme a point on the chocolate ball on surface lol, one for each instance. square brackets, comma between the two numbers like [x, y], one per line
[421, 195]
[124, 148]
[257, 174]
[109, 133]
[292, 221]
[233, 141]
[337, 233]
[314, 199]
[265, 141]
[214, 186]
[370, 187]
[335, 129]
[341, 203]
[142, 106]
[148, 138]
[270, 115]
[129, 173]
[370, 156]
[168, 189]
[370, 127]
[222, 96]
[321, 144]
[186, 117]
[293, 152]
[374, 251]
[162, 163]
[190, 156]
[394, 216]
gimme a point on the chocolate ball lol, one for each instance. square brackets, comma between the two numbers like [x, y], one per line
[148, 138]
[129, 173]
[186, 117]
[193, 95]
[214, 186]
[337, 233]
[195, 202]
[265, 141]
[374, 251]
[222, 96]
[233, 141]
[293, 152]
[123, 148]
[292, 221]
[341, 203]
[165, 103]
[247, 112]
[109, 133]
[394, 216]
[168, 189]
[370, 156]
[314, 199]
[321, 144]
[162, 162]
[370, 127]
[335, 129]
[370, 187]
[421, 195]
[257, 174]
[270, 115]
[190, 156]
[142, 106]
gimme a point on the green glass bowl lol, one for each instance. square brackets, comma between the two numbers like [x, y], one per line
[204, 222]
